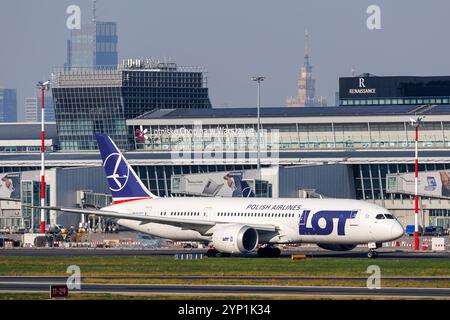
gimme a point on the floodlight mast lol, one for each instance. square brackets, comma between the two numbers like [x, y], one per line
[258, 79]
[43, 86]
[416, 123]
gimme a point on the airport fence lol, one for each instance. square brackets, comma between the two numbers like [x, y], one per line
[425, 243]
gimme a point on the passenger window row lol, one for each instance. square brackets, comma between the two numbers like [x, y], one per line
[254, 214]
[181, 213]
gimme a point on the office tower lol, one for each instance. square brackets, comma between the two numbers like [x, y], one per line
[94, 45]
[8, 105]
[33, 109]
[95, 100]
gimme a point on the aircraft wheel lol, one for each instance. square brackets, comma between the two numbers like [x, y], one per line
[276, 252]
[262, 252]
[269, 252]
[211, 253]
[223, 254]
[372, 254]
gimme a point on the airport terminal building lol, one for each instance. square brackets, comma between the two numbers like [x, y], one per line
[347, 151]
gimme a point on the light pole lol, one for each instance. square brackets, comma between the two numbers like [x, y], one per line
[416, 124]
[43, 86]
[258, 79]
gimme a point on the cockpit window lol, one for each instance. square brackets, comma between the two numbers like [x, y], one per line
[389, 216]
[379, 216]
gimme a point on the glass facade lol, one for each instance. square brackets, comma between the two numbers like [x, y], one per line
[91, 101]
[394, 101]
[370, 179]
[33, 109]
[24, 148]
[440, 217]
[31, 195]
[368, 89]
[93, 45]
[295, 136]
[96, 200]
[8, 105]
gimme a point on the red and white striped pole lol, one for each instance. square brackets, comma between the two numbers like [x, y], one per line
[42, 160]
[43, 86]
[416, 190]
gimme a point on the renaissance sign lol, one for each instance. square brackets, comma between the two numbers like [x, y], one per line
[362, 88]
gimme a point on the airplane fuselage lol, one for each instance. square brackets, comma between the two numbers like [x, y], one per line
[332, 221]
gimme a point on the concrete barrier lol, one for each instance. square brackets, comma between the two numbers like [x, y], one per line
[438, 244]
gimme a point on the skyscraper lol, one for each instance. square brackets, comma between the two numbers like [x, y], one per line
[306, 94]
[33, 109]
[8, 105]
[94, 45]
[91, 101]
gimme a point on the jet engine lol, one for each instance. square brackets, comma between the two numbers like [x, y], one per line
[235, 238]
[337, 247]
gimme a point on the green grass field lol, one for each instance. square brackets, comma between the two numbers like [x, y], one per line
[102, 296]
[165, 265]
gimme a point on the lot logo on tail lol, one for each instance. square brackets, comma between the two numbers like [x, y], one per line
[117, 171]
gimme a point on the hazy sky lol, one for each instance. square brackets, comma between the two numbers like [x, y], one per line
[235, 39]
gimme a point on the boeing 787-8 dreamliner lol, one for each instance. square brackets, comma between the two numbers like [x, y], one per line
[240, 225]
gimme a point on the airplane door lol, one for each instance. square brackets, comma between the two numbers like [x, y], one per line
[354, 218]
[207, 213]
[148, 211]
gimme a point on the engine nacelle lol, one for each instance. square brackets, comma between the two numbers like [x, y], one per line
[235, 239]
[337, 247]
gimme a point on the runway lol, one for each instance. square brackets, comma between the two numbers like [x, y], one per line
[61, 279]
[384, 253]
[252, 290]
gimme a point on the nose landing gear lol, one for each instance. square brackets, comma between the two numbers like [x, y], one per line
[372, 254]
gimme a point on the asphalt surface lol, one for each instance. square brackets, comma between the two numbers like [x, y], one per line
[384, 253]
[61, 279]
[32, 287]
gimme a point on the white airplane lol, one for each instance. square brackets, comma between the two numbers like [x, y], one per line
[240, 225]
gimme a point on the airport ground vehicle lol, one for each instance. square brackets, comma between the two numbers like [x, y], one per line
[240, 225]
[434, 231]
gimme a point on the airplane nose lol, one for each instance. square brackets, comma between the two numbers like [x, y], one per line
[397, 231]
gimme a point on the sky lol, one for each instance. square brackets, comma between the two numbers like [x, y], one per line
[235, 39]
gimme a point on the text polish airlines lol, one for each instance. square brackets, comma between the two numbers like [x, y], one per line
[240, 225]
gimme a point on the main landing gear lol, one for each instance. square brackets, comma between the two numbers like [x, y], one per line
[269, 252]
[215, 253]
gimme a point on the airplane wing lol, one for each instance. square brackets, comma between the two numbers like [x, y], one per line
[201, 226]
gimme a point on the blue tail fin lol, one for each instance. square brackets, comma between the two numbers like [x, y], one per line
[123, 182]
